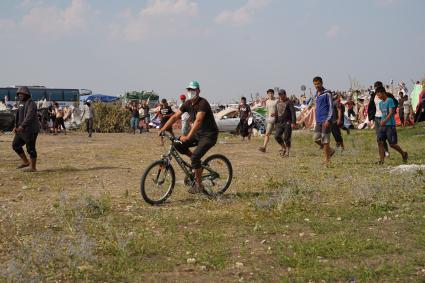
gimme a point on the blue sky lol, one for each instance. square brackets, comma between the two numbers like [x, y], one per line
[233, 47]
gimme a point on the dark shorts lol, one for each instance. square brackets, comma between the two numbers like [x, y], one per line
[59, 122]
[284, 129]
[321, 133]
[28, 139]
[388, 133]
[336, 132]
[202, 142]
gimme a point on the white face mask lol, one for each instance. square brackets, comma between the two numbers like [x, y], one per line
[191, 94]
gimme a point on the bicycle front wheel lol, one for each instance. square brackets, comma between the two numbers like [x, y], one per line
[157, 182]
[217, 175]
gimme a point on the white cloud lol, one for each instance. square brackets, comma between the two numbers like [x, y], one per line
[157, 18]
[333, 31]
[7, 25]
[243, 15]
[54, 20]
[170, 7]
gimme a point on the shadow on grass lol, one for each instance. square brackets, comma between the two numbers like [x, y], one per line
[224, 197]
[73, 169]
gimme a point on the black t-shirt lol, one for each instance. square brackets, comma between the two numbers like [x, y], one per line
[244, 111]
[208, 125]
[145, 110]
[134, 112]
[165, 111]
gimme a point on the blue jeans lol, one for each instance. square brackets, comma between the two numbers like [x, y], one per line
[134, 122]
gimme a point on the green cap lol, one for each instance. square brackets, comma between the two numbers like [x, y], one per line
[193, 85]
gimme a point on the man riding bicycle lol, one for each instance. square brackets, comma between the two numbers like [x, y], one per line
[203, 134]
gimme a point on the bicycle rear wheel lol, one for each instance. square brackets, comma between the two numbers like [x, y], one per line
[157, 182]
[217, 175]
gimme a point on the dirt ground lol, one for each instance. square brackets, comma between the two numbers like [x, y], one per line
[81, 216]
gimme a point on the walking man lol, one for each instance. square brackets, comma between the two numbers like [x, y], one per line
[324, 112]
[244, 114]
[387, 129]
[337, 122]
[271, 119]
[88, 116]
[285, 122]
[26, 129]
[375, 114]
[146, 114]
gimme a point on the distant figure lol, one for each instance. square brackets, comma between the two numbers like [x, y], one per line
[185, 117]
[26, 129]
[88, 115]
[271, 118]
[134, 122]
[407, 110]
[165, 113]
[59, 121]
[146, 114]
[244, 114]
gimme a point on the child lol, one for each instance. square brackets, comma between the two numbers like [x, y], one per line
[387, 130]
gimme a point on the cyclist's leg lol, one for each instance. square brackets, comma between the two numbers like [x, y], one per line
[183, 147]
[205, 143]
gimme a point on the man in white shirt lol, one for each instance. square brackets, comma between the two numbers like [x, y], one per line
[88, 116]
[271, 119]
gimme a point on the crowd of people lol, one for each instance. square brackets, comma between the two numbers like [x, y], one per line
[378, 110]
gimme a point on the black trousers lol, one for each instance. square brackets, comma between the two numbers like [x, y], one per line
[89, 126]
[202, 142]
[28, 139]
[336, 132]
[285, 130]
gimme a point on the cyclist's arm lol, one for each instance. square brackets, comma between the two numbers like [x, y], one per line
[172, 120]
[200, 116]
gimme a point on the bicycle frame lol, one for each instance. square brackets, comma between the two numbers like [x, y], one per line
[186, 167]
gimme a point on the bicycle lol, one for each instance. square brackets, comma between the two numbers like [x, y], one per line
[216, 178]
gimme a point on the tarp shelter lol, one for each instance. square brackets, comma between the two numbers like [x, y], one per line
[143, 95]
[415, 96]
[98, 97]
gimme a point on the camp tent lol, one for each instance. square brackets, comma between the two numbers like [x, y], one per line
[98, 97]
[141, 95]
[415, 96]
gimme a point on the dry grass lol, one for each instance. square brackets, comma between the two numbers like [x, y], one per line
[81, 218]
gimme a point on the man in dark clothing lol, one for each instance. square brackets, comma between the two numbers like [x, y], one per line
[146, 115]
[337, 121]
[203, 133]
[134, 122]
[165, 113]
[285, 122]
[26, 129]
[244, 114]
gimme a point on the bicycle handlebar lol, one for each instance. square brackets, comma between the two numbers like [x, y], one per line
[171, 137]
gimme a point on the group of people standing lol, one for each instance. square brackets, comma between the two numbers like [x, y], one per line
[329, 116]
[139, 112]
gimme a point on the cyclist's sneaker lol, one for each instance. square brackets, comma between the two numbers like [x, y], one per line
[196, 189]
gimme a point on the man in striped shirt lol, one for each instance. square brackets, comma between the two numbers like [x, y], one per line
[323, 113]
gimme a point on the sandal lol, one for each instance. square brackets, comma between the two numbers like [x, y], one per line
[282, 153]
[262, 149]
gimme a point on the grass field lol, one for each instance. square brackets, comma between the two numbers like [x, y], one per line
[81, 217]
